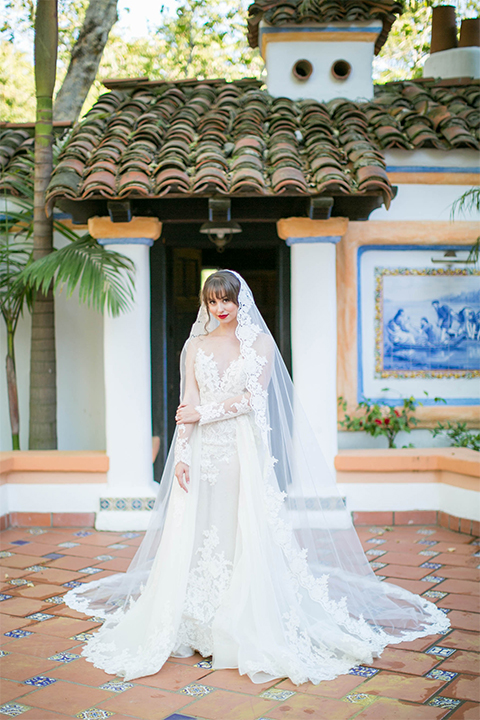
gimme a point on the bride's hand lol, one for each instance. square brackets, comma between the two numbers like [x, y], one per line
[186, 414]
[182, 473]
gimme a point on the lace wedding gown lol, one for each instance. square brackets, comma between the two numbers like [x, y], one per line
[231, 575]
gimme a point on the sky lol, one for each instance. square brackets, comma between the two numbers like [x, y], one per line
[135, 15]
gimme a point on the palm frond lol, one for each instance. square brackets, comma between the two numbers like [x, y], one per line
[468, 202]
[105, 278]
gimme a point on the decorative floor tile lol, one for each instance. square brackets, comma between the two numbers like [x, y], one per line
[440, 651]
[20, 581]
[72, 584]
[36, 531]
[276, 694]
[40, 617]
[429, 553]
[5, 597]
[377, 530]
[381, 577]
[53, 556]
[376, 541]
[206, 664]
[476, 542]
[444, 702]
[35, 568]
[433, 578]
[434, 594]
[445, 610]
[104, 558]
[55, 600]
[40, 681]
[5, 554]
[117, 546]
[362, 671]
[359, 698]
[426, 531]
[96, 618]
[377, 565]
[83, 636]
[83, 533]
[116, 686]
[64, 657]
[68, 544]
[431, 566]
[3, 653]
[90, 570]
[20, 542]
[427, 542]
[13, 709]
[477, 554]
[437, 674]
[18, 633]
[195, 690]
[94, 714]
[130, 535]
[375, 553]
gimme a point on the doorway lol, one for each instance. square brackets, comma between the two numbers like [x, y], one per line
[176, 269]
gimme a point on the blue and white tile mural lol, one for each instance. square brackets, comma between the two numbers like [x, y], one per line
[427, 322]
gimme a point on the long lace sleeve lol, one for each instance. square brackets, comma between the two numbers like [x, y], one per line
[213, 412]
[191, 395]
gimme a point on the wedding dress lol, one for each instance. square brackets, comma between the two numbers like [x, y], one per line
[258, 565]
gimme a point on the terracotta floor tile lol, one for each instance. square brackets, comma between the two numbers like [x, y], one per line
[457, 559]
[174, 676]
[461, 548]
[10, 622]
[64, 627]
[21, 606]
[65, 611]
[223, 705]
[37, 714]
[383, 709]
[405, 571]
[308, 706]
[73, 563]
[37, 549]
[464, 620]
[459, 602]
[396, 558]
[415, 586]
[460, 573]
[328, 688]
[188, 660]
[467, 711]
[20, 667]
[67, 697]
[55, 576]
[85, 551]
[402, 687]
[232, 680]
[117, 565]
[20, 561]
[461, 587]
[39, 591]
[82, 672]
[405, 661]
[465, 687]
[39, 645]
[145, 702]
[463, 640]
[104, 538]
[9, 573]
[421, 643]
[11, 690]
[462, 662]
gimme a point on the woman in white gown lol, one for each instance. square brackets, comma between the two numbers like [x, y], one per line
[250, 555]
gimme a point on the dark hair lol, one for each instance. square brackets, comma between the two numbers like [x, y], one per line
[220, 284]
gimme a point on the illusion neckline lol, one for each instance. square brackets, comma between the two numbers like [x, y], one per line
[211, 356]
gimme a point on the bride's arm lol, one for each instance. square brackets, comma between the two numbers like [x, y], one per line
[191, 395]
[242, 404]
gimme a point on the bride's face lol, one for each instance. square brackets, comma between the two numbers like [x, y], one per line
[222, 309]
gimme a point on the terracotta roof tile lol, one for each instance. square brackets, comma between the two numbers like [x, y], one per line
[297, 12]
[234, 138]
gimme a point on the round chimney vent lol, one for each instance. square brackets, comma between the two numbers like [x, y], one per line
[302, 70]
[341, 69]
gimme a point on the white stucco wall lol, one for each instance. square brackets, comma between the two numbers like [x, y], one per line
[80, 385]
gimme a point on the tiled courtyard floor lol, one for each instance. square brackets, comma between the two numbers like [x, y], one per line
[44, 677]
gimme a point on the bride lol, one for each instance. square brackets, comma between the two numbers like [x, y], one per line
[250, 555]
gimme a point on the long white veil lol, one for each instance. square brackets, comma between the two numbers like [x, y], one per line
[321, 555]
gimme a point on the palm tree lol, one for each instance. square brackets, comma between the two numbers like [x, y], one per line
[105, 279]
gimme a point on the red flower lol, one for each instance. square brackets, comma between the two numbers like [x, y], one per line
[387, 421]
[397, 413]
[379, 422]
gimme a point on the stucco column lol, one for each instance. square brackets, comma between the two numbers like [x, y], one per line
[127, 367]
[314, 322]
